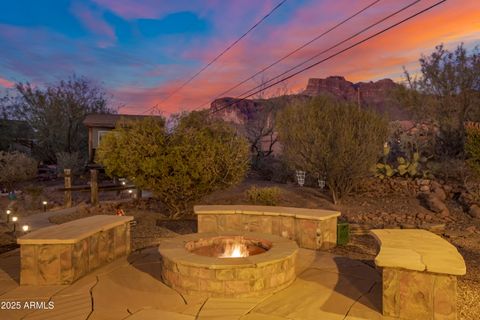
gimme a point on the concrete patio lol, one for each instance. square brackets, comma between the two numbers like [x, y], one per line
[327, 287]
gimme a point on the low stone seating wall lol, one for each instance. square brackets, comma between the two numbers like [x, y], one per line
[310, 228]
[63, 253]
[420, 272]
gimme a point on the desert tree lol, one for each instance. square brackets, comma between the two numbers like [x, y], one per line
[56, 113]
[180, 165]
[446, 92]
[332, 139]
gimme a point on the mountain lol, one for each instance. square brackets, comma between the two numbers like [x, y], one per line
[374, 95]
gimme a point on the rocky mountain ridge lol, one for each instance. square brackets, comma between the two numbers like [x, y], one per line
[374, 95]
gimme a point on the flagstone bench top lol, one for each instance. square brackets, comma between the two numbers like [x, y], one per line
[418, 250]
[73, 231]
[299, 213]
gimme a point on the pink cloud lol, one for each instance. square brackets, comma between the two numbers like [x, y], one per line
[94, 22]
[6, 83]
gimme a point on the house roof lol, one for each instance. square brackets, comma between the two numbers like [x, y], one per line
[109, 120]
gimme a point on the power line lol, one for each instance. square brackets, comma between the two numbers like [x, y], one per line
[335, 54]
[224, 51]
[294, 51]
[334, 46]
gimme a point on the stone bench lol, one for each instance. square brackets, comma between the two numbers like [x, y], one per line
[419, 272]
[63, 253]
[310, 228]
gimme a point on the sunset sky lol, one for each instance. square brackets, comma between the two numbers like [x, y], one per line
[142, 50]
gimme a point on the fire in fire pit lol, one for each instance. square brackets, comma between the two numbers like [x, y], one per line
[235, 250]
[228, 247]
[228, 265]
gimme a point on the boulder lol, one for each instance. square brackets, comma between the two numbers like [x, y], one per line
[437, 190]
[435, 204]
[424, 188]
[474, 211]
[448, 189]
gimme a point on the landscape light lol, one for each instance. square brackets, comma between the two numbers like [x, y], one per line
[14, 220]
[9, 211]
[124, 183]
[130, 191]
[44, 205]
[8, 215]
[25, 228]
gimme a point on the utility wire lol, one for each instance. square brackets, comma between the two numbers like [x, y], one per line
[293, 52]
[334, 46]
[223, 52]
[335, 54]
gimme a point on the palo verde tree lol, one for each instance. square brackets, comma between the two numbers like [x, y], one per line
[446, 92]
[331, 138]
[179, 165]
[56, 113]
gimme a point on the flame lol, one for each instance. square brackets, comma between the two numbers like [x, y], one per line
[235, 250]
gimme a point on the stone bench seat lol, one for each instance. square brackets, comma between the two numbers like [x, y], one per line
[419, 271]
[310, 228]
[63, 253]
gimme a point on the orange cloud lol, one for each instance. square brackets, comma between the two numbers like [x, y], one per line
[380, 57]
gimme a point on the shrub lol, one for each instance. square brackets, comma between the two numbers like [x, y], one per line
[331, 138]
[269, 196]
[181, 165]
[70, 161]
[16, 167]
[472, 147]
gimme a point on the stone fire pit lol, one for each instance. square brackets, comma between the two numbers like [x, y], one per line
[200, 263]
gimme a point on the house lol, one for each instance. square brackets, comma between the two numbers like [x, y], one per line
[99, 124]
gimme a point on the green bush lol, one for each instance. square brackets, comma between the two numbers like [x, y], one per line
[16, 167]
[472, 147]
[326, 137]
[269, 196]
[181, 165]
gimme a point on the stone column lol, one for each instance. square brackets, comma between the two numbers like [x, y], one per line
[409, 294]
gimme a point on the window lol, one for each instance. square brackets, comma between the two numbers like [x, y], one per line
[100, 136]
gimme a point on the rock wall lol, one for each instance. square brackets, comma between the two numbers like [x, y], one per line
[369, 94]
[373, 95]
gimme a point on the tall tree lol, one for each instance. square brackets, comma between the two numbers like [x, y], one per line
[56, 114]
[447, 91]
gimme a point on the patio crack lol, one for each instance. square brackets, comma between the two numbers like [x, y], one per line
[201, 307]
[91, 297]
[360, 297]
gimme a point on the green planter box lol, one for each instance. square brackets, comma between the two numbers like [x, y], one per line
[343, 234]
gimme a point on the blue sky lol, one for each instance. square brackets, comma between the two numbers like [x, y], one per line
[141, 51]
